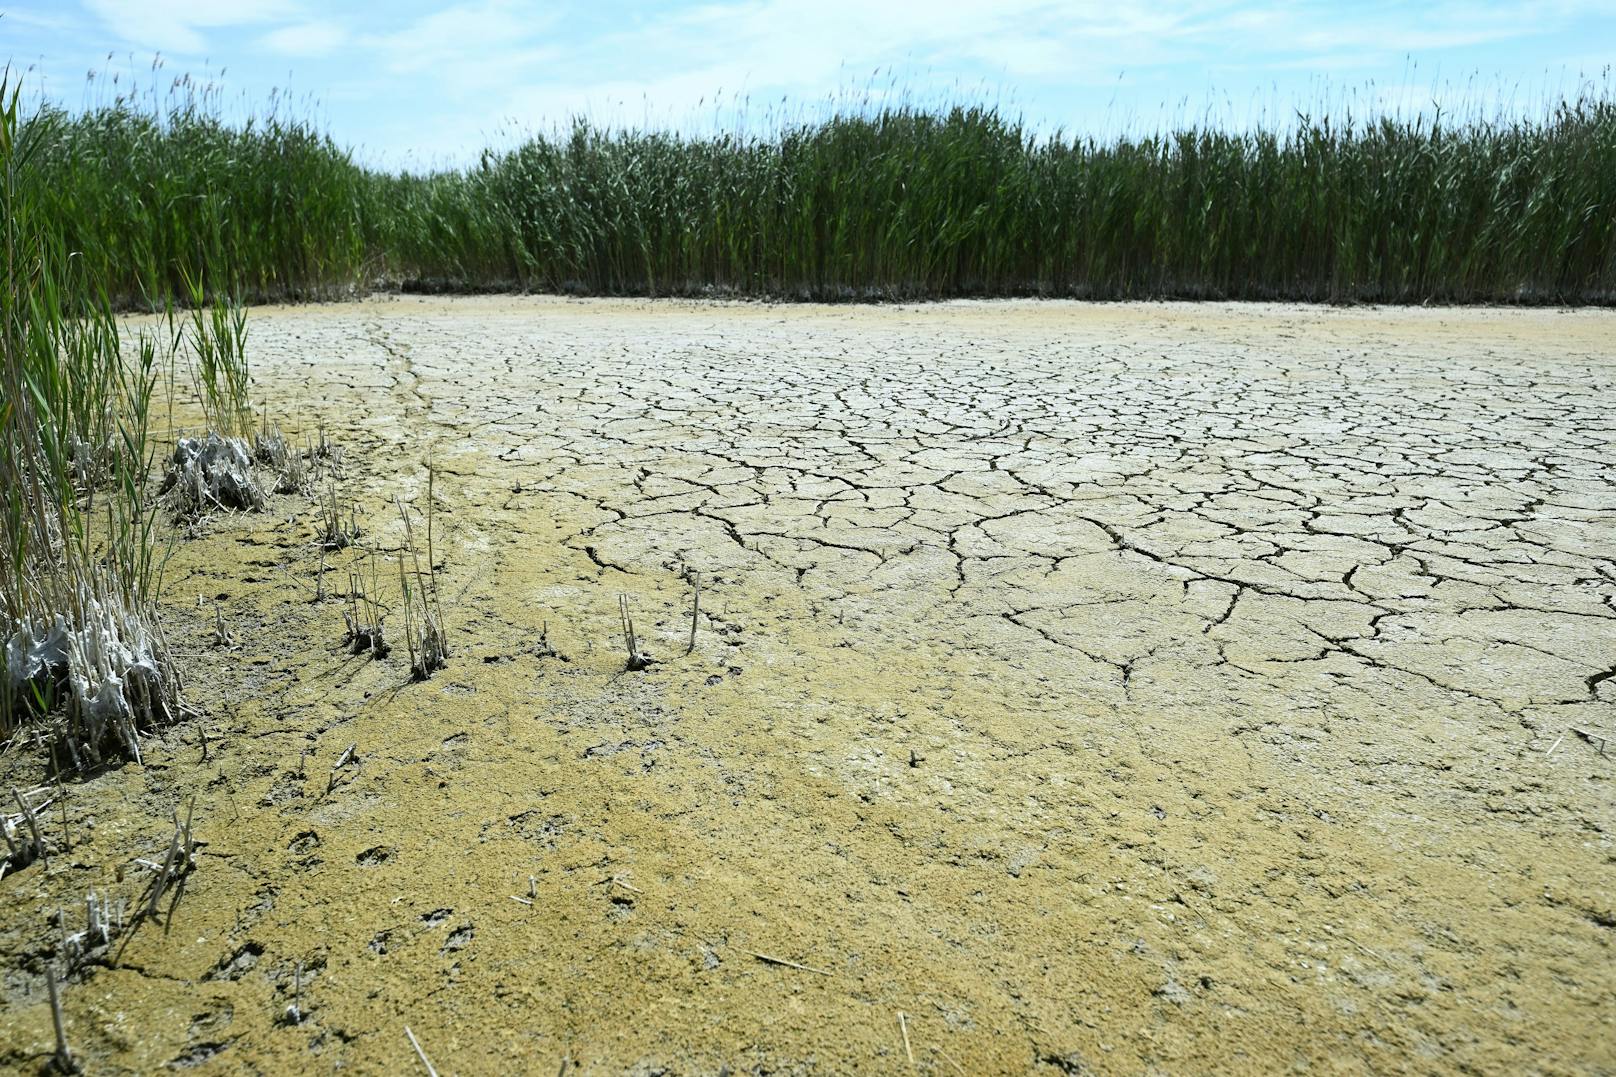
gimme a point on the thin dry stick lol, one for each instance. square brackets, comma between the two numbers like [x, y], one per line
[636, 660]
[409, 610]
[695, 610]
[950, 1060]
[772, 960]
[1590, 738]
[431, 556]
[425, 1061]
[33, 825]
[903, 1026]
[64, 1057]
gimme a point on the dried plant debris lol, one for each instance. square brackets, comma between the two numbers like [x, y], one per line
[103, 682]
[104, 918]
[362, 637]
[339, 523]
[177, 863]
[24, 836]
[637, 658]
[365, 616]
[212, 473]
[291, 467]
[423, 613]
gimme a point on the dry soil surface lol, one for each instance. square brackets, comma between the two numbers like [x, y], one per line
[1075, 688]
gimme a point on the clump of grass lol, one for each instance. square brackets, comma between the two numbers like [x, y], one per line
[84, 652]
[424, 633]
[365, 617]
[216, 470]
[220, 371]
[339, 529]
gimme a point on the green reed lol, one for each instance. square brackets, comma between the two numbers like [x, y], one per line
[862, 201]
[78, 569]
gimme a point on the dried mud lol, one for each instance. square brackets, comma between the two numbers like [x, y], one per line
[1113, 689]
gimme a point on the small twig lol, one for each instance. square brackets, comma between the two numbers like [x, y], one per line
[1553, 746]
[425, 1061]
[950, 1060]
[772, 960]
[903, 1026]
[521, 900]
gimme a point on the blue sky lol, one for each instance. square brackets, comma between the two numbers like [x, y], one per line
[415, 82]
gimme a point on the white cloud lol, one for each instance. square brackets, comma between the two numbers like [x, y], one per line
[306, 39]
[176, 26]
[443, 77]
[480, 41]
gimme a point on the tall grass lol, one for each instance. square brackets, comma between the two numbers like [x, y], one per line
[156, 194]
[902, 201]
[78, 574]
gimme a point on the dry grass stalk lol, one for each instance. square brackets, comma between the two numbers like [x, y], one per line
[425, 1061]
[23, 847]
[695, 610]
[423, 627]
[365, 615]
[769, 959]
[63, 1059]
[637, 659]
[179, 862]
[103, 920]
[337, 533]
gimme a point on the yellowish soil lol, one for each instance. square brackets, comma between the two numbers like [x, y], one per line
[1076, 688]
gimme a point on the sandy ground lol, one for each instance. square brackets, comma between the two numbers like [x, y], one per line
[1112, 689]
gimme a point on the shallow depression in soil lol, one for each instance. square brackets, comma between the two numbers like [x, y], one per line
[1101, 688]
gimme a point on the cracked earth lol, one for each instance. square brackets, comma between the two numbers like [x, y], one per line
[1104, 688]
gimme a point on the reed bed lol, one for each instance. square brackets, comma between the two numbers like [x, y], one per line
[864, 201]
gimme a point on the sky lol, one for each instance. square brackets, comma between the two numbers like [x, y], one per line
[416, 83]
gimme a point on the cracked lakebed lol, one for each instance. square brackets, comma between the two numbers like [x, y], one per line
[1105, 688]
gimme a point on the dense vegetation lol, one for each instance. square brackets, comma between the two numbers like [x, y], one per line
[79, 573]
[899, 202]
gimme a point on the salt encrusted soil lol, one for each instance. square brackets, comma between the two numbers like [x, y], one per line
[1173, 688]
